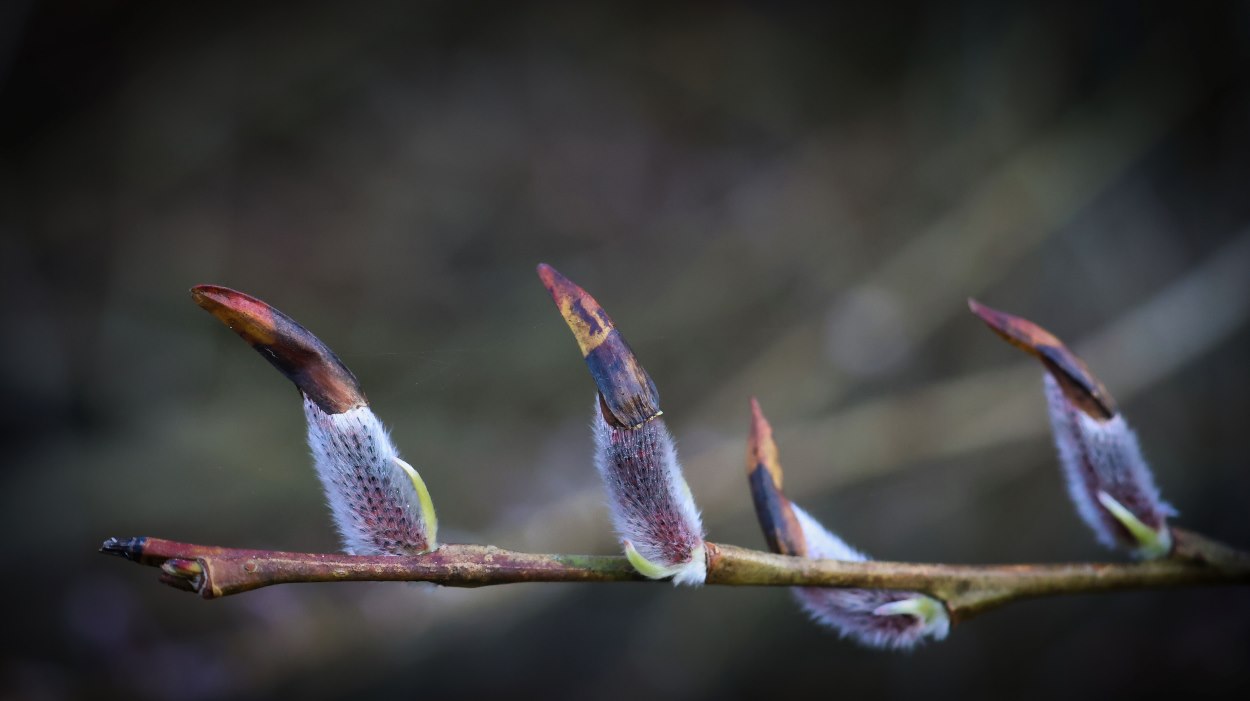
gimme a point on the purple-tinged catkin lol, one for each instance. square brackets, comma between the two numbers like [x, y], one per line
[652, 508]
[1108, 478]
[379, 503]
[877, 618]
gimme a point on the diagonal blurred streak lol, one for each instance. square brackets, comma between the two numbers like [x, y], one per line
[976, 243]
[996, 407]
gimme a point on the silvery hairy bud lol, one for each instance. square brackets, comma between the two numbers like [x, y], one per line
[652, 508]
[1108, 479]
[379, 502]
[876, 618]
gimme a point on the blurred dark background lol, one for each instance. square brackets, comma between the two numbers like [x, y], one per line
[770, 199]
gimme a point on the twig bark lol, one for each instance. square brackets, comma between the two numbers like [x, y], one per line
[967, 590]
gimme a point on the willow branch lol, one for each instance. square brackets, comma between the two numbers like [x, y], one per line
[967, 590]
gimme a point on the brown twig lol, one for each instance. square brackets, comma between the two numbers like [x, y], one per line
[967, 590]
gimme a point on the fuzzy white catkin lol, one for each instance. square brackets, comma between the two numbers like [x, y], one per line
[1103, 456]
[853, 612]
[652, 508]
[374, 502]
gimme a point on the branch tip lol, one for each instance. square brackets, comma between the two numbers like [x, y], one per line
[128, 548]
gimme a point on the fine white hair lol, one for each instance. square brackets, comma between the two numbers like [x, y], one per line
[1103, 456]
[877, 618]
[373, 495]
[652, 508]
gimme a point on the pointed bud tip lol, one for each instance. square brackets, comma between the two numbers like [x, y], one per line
[773, 510]
[625, 387]
[1017, 331]
[247, 316]
[760, 429]
[757, 414]
[1074, 376]
[761, 448]
[587, 320]
[549, 275]
[292, 349]
[757, 418]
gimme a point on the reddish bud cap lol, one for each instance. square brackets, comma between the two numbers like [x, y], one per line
[316, 371]
[1079, 384]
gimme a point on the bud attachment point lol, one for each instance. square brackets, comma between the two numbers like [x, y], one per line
[1151, 543]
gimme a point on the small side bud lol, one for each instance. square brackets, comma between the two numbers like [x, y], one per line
[187, 575]
[380, 504]
[876, 618]
[1107, 477]
[652, 508]
[182, 568]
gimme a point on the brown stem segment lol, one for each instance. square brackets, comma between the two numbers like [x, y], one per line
[967, 590]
